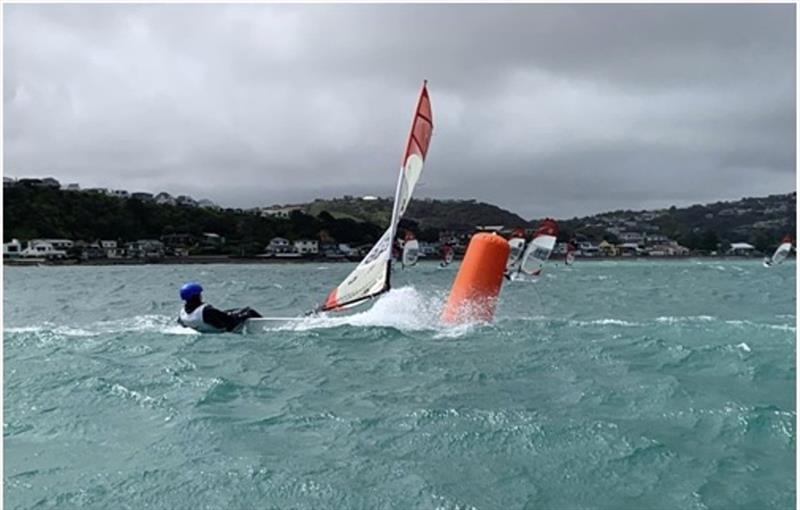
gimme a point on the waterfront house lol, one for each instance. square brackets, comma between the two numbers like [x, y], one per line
[178, 240]
[12, 249]
[671, 249]
[58, 244]
[111, 249]
[42, 249]
[742, 249]
[145, 249]
[607, 249]
[279, 245]
[629, 249]
[307, 246]
[213, 240]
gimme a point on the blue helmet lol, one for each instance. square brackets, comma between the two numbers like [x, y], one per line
[190, 290]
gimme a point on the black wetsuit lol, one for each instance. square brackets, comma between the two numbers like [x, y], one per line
[227, 320]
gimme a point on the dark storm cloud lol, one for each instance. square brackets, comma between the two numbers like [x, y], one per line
[543, 109]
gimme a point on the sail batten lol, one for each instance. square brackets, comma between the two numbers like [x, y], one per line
[372, 275]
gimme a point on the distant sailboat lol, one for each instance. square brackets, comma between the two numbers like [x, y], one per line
[447, 255]
[569, 257]
[517, 245]
[539, 248]
[410, 250]
[371, 277]
[783, 251]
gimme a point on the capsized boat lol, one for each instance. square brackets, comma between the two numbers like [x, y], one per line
[371, 277]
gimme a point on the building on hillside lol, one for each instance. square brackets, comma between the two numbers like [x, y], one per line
[49, 182]
[742, 249]
[653, 239]
[12, 249]
[280, 211]
[8, 182]
[631, 237]
[119, 193]
[208, 204]
[73, 186]
[97, 191]
[307, 246]
[143, 196]
[186, 200]
[488, 228]
[164, 198]
[213, 240]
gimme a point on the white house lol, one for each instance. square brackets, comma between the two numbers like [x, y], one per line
[111, 249]
[43, 249]
[58, 244]
[307, 246]
[741, 249]
[186, 200]
[281, 211]
[119, 193]
[279, 245]
[12, 249]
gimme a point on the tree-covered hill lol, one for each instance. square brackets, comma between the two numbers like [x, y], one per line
[51, 213]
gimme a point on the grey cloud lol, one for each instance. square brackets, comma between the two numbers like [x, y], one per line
[543, 109]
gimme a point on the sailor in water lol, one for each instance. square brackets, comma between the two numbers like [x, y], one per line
[205, 318]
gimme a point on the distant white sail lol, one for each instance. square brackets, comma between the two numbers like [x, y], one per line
[517, 245]
[781, 253]
[540, 248]
[536, 254]
[371, 277]
[410, 252]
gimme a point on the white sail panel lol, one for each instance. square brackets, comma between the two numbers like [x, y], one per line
[410, 252]
[371, 276]
[517, 245]
[536, 254]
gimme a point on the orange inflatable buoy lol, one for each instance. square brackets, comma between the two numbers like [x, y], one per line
[477, 284]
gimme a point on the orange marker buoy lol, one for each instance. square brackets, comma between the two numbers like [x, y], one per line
[477, 284]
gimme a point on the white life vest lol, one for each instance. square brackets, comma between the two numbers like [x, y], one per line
[194, 320]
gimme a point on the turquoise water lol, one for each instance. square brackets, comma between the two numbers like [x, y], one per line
[607, 385]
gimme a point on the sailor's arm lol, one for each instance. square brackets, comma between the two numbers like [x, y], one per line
[219, 319]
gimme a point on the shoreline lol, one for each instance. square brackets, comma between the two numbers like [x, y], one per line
[223, 259]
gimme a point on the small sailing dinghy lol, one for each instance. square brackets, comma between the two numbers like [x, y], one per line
[783, 251]
[371, 277]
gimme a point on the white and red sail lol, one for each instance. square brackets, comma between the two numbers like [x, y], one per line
[371, 277]
[783, 251]
[410, 250]
[569, 256]
[540, 247]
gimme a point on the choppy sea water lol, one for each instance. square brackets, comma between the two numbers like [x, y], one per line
[605, 385]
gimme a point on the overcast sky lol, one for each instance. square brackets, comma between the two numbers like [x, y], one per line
[542, 109]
